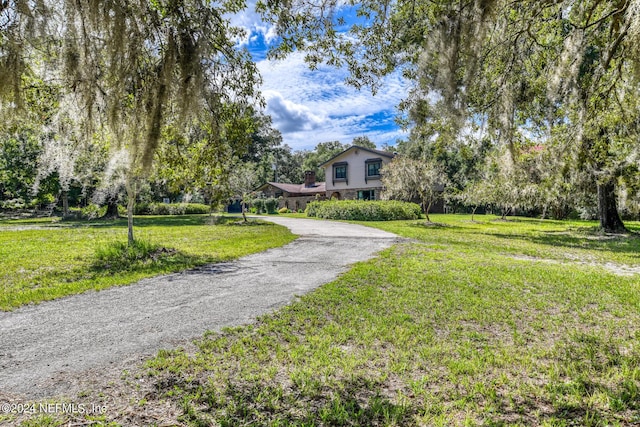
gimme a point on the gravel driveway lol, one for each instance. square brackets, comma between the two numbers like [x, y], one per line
[42, 346]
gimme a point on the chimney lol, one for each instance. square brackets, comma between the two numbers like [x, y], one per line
[309, 179]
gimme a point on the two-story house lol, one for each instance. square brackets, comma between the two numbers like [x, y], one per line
[355, 173]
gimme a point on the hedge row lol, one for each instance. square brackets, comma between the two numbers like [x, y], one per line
[170, 209]
[379, 210]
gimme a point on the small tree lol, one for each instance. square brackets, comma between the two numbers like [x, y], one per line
[242, 180]
[473, 195]
[408, 179]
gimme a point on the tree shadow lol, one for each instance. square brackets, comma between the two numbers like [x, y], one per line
[351, 402]
[158, 221]
[624, 244]
[434, 225]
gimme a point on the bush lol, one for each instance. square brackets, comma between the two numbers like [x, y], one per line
[92, 211]
[119, 256]
[262, 205]
[170, 209]
[284, 210]
[12, 204]
[257, 206]
[271, 204]
[357, 210]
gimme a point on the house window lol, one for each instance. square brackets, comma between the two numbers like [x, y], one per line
[340, 171]
[373, 169]
[366, 195]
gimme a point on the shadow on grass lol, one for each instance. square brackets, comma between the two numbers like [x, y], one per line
[162, 221]
[353, 402]
[588, 389]
[433, 225]
[591, 240]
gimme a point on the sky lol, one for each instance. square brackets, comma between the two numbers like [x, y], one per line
[313, 106]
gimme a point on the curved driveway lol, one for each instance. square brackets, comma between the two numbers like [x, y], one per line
[40, 345]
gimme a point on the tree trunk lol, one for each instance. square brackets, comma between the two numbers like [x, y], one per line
[610, 221]
[426, 211]
[130, 239]
[65, 204]
[505, 211]
[112, 209]
[131, 202]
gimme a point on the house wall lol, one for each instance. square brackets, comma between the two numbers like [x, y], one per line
[356, 171]
[296, 203]
[289, 201]
[352, 193]
[271, 191]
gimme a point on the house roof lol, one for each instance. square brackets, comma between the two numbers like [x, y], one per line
[318, 187]
[357, 147]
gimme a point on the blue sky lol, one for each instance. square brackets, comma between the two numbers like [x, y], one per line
[310, 107]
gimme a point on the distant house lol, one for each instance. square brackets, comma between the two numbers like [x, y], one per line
[296, 196]
[355, 173]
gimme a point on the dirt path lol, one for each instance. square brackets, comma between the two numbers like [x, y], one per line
[43, 347]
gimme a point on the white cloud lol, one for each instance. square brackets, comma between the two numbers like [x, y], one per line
[270, 34]
[313, 106]
[289, 116]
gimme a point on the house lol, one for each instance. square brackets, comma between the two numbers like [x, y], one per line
[296, 196]
[355, 173]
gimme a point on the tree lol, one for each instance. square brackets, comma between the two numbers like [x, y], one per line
[510, 65]
[323, 152]
[363, 141]
[408, 179]
[19, 151]
[203, 160]
[242, 181]
[134, 68]
[74, 160]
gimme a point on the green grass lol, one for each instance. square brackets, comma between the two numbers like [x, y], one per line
[493, 323]
[42, 260]
[449, 329]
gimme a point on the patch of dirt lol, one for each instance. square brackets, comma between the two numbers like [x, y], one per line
[160, 252]
[127, 397]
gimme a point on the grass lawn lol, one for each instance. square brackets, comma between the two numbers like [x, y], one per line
[42, 260]
[495, 323]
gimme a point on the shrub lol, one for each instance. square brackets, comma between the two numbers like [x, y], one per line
[258, 206]
[271, 204]
[92, 211]
[119, 256]
[357, 210]
[284, 210]
[170, 209]
[142, 208]
[43, 201]
[12, 204]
